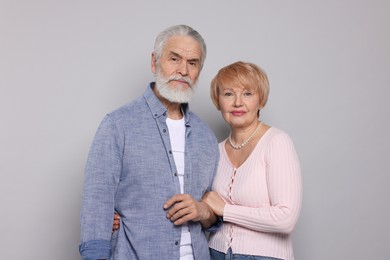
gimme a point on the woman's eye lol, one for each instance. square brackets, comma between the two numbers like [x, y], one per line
[228, 94]
[247, 94]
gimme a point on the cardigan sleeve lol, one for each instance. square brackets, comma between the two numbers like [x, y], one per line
[283, 177]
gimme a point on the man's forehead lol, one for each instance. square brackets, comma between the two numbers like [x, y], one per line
[184, 46]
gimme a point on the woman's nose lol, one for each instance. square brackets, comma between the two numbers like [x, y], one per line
[237, 101]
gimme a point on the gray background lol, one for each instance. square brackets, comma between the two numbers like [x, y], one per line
[64, 64]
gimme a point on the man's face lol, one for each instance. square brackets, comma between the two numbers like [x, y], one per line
[178, 68]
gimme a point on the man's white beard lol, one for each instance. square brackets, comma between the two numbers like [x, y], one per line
[178, 94]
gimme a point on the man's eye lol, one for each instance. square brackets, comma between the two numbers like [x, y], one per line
[174, 59]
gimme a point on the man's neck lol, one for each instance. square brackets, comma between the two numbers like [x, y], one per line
[174, 110]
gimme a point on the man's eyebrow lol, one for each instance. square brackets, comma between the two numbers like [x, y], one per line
[179, 56]
[175, 54]
[194, 60]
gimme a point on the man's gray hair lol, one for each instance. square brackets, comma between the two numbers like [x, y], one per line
[178, 30]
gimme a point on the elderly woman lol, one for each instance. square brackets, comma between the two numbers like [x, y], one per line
[257, 189]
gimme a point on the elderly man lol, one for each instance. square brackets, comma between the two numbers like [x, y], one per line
[151, 161]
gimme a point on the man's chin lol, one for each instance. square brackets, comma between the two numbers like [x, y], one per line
[179, 99]
[179, 84]
[176, 91]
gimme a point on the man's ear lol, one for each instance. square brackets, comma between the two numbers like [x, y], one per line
[154, 63]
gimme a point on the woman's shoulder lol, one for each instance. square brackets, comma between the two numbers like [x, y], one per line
[276, 135]
[274, 131]
[222, 144]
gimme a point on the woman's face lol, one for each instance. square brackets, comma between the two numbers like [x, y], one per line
[239, 106]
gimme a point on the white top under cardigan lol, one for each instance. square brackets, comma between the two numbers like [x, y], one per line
[263, 198]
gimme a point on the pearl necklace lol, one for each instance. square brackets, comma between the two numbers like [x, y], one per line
[240, 146]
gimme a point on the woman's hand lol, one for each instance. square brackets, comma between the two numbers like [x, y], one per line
[117, 220]
[215, 202]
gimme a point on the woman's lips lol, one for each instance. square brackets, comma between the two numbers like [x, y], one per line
[237, 113]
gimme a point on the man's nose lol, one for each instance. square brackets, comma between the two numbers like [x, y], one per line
[182, 69]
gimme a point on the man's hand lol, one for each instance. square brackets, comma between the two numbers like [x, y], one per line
[182, 208]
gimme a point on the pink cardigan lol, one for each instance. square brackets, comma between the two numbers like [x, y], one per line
[263, 199]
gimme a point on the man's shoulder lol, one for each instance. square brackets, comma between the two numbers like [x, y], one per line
[127, 109]
[198, 122]
[201, 127]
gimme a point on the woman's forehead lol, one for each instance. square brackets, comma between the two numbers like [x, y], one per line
[236, 86]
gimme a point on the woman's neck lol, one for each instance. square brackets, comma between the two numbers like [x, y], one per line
[240, 134]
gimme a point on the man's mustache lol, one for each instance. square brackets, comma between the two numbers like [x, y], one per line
[181, 78]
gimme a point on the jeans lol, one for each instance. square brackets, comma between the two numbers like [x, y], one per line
[216, 255]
